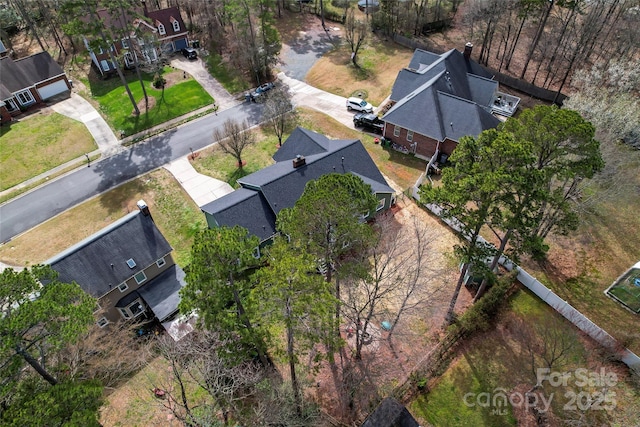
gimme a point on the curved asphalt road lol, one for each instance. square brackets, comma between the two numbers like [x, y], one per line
[37, 206]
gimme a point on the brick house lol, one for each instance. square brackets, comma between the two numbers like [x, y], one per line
[154, 34]
[28, 82]
[438, 99]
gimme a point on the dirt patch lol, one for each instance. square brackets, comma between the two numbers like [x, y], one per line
[390, 362]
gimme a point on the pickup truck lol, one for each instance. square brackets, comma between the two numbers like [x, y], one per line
[368, 120]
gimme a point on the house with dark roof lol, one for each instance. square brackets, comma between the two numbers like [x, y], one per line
[438, 99]
[303, 157]
[30, 81]
[127, 267]
[390, 413]
[146, 36]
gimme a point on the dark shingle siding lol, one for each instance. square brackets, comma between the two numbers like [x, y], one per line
[89, 262]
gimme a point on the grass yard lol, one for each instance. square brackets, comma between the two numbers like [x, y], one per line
[38, 143]
[627, 290]
[379, 60]
[497, 362]
[174, 212]
[180, 97]
[225, 75]
[215, 163]
[400, 168]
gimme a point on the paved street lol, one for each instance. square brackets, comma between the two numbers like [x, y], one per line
[65, 192]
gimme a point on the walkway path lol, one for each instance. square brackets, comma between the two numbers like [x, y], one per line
[201, 188]
[197, 69]
[80, 109]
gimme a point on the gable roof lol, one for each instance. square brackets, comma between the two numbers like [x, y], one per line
[390, 413]
[266, 192]
[166, 18]
[436, 91]
[26, 72]
[99, 262]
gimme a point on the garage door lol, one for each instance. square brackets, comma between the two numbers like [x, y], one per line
[53, 89]
[179, 44]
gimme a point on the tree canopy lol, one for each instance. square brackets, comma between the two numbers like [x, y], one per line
[218, 284]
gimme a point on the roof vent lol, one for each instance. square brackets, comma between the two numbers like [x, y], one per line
[299, 161]
[131, 263]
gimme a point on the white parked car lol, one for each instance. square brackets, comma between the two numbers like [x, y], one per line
[359, 104]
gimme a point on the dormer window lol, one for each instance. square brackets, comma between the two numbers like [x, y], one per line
[176, 25]
[161, 29]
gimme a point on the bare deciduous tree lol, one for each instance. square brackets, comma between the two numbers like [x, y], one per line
[233, 138]
[397, 282]
[355, 34]
[278, 111]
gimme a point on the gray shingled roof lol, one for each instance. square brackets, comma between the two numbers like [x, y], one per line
[390, 413]
[269, 190]
[26, 72]
[440, 96]
[99, 262]
[162, 294]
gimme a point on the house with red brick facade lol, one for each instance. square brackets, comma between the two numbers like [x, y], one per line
[146, 37]
[29, 81]
[438, 99]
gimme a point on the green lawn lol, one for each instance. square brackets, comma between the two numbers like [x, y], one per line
[215, 163]
[180, 97]
[39, 143]
[228, 77]
[498, 361]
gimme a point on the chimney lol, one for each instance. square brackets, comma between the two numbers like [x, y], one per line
[298, 161]
[143, 207]
[144, 5]
[467, 50]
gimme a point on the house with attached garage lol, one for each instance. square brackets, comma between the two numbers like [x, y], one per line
[303, 157]
[127, 266]
[28, 82]
[144, 36]
[438, 99]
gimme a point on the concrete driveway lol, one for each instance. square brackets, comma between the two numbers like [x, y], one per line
[198, 70]
[78, 108]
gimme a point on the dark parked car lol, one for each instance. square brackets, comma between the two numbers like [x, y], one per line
[368, 120]
[189, 53]
[262, 89]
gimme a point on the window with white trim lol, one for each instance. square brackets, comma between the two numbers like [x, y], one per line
[381, 204]
[105, 65]
[11, 105]
[136, 308]
[102, 322]
[25, 97]
[123, 287]
[124, 313]
[161, 262]
[409, 135]
[161, 29]
[140, 277]
[396, 130]
[125, 44]
[176, 25]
